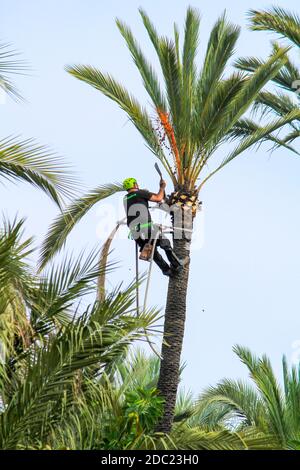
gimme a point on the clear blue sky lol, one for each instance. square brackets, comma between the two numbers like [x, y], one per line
[246, 275]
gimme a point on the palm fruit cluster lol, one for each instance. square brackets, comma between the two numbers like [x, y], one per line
[185, 199]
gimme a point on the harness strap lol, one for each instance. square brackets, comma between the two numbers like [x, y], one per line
[129, 196]
[138, 227]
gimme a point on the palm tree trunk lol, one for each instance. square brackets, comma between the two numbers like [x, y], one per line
[173, 336]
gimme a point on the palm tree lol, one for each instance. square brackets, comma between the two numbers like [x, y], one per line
[24, 159]
[287, 26]
[268, 407]
[191, 116]
[57, 352]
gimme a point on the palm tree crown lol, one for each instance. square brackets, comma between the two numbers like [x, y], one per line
[287, 26]
[196, 109]
[194, 112]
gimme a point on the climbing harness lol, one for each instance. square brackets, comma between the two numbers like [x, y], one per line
[137, 228]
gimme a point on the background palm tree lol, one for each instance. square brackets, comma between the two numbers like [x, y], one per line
[24, 159]
[267, 407]
[287, 26]
[192, 115]
[57, 352]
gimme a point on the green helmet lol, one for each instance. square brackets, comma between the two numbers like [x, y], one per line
[129, 183]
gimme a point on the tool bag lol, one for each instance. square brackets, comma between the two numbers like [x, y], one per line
[146, 252]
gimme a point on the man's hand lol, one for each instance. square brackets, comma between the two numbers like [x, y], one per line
[162, 184]
[160, 195]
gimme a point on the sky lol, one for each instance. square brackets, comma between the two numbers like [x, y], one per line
[244, 280]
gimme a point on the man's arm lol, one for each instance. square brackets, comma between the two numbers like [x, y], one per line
[160, 195]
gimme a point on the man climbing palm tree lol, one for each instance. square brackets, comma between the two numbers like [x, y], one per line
[142, 229]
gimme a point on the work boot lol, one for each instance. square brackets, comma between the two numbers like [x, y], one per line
[183, 261]
[180, 265]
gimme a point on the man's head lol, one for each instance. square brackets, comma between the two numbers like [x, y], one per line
[130, 183]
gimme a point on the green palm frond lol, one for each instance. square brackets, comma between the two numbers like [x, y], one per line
[267, 411]
[244, 406]
[65, 222]
[103, 261]
[196, 111]
[184, 406]
[27, 161]
[24, 159]
[237, 108]
[246, 127]
[291, 382]
[251, 87]
[220, 49]
[146, 70]
[189, 75]
[177, 47]
[172, 76]
[10, 65]
[167, 54]
[262, 374]
[286, 76]
[190, 45]
[186, 438]
[15, 281]
[279, 104]
[256, 137]
[211, 416]
[139, 371]
[82, 425]
[116, 92]
[253, 439]
[287, 25]
[13, 252]
[278, 20]
[291, 136]
[209, 120]
[59, 288]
